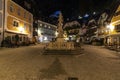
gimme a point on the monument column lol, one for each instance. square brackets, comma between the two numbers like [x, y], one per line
[60, 25]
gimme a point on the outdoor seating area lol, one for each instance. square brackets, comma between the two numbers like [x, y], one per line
[8, 43]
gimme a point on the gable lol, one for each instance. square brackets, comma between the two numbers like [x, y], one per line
[116, 16]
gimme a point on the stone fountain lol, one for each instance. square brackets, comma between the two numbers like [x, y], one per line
[60, 43]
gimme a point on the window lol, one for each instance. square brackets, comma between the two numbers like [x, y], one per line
[25, 26]
[40, 24]
[0, 4]
[24, 14]
[18, 12]
[20, 38]
[11, 8]
[30, 28]
[30, 18]
[0, 19]
[13, 38]
[15, 23]
[23, 38]
[45, 26]
[49, 27]
[117, 28]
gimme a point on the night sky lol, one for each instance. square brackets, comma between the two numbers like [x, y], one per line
[72, 8]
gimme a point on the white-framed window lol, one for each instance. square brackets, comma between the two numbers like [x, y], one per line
[11, 8]
[24, 14]
[30, 28]
[19, 11]
[15, 23]
[25, 26]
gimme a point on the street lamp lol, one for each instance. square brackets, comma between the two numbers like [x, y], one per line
[21, 29]
[110, 27]
[56, 33]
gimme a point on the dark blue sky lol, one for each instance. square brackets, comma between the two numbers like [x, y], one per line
[69, 8]
[72, 7]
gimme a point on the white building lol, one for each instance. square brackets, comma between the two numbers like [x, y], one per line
[46, 31]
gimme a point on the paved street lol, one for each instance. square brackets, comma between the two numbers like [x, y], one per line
[29, 63]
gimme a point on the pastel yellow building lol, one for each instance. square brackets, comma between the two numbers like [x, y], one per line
[17, 21]
[114, 29]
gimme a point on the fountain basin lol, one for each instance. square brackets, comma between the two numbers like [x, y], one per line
[60, 46]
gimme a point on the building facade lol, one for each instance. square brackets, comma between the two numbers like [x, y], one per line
[72, 30]
[46, 32]
[1, 19]
[113, 37]
[16, 20]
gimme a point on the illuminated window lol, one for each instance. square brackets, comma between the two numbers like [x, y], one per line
[45, 26]
[49, 27]
[15, 23]
[41, 25]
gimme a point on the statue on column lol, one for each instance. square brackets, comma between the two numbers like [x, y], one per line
[60, 25]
